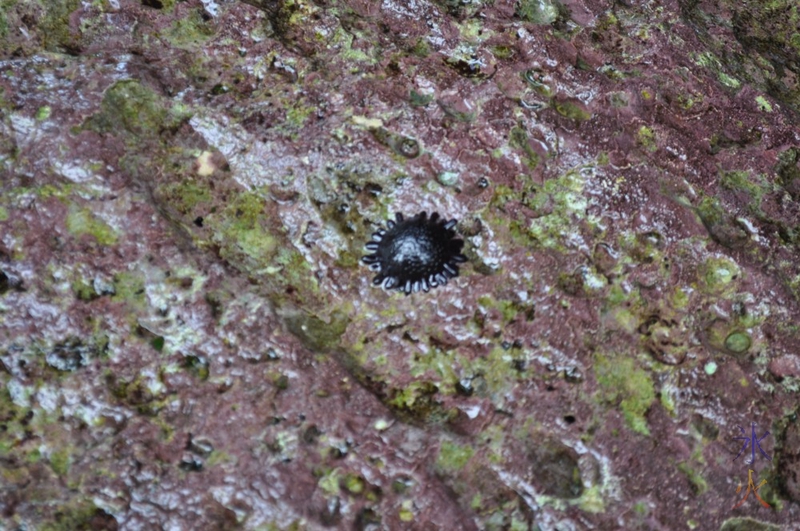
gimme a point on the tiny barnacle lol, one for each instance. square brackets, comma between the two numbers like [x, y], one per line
[415, 254]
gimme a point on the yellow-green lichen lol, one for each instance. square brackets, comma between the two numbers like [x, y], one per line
[128, 106]
[622, 383]
[406, 514]
[453, 457]
[417, 401]
[646, 138]
[353, 483]
[129, 287]
[572, 110]
[699, 484]
[343, 40]
[77, 515]
[185, 195]
[189, 31]
[755, 187]
[537, 11]
[329, 482]
[243, 234]
[738, 342]
[567, 205]
[763, 103]
[719, 275]
[82, 221]
[60, 461]
[518, 139]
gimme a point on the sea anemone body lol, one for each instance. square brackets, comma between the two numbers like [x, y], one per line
[415, 254]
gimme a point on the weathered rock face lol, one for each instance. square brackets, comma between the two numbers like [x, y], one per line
[189, 341]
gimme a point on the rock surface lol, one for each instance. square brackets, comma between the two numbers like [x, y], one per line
[188, 339]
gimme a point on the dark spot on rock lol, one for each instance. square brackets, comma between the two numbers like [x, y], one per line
[197, 365]
[720, 224]
[787, 457]
[573, 375]
[311, 434]
[331, 514]
[788, 170]
[339, 451]
[467, 68]
[366, 519]
[604, 258]
[556, 471]
[282, 382]
[191, 463]
[705, 427]
[69, 355]
[415, 254]
[402, 145]
[8, 282]
[665, 339]
[464, 387]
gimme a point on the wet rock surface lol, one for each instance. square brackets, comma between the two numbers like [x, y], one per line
[188, 338]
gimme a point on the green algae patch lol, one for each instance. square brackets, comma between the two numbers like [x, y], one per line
[316, 334]
[623, 384]
[572, 110]
[186, 195]
[81, 221]
[60, 461]
[343, 40]
[565, 204]
[128, 106]
[51, 32]
[417, 402]
[189, 31]
[538, 11]
[721, 226]
[508, 310]
[719, 275]
[646, 138]
[518, 139]
[747, 524]
[242, 234]
[453, 457]
[710, 61]
[763, 103]
[12, 430]
[129, 288]
[738, 342]
[699, 484]
[79, 515]
[755, 188]
[729, 337]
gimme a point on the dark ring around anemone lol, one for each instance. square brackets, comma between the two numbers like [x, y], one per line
[415, 254]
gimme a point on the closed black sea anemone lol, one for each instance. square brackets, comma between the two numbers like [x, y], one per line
[415, 254]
